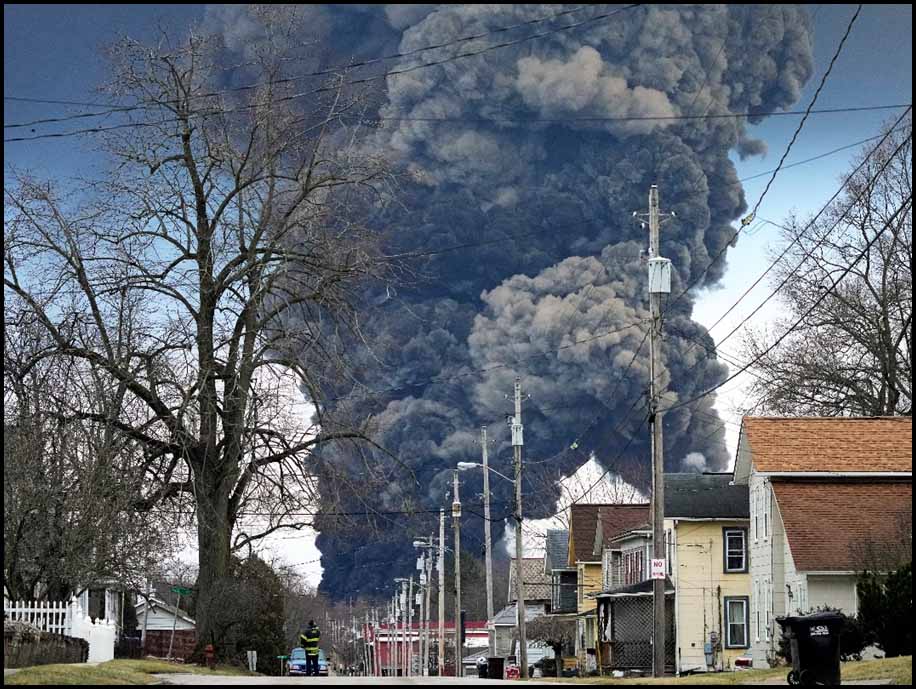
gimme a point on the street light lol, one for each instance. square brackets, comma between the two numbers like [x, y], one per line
[464, 466]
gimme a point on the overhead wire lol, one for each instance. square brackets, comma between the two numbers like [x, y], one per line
[750, 217]
[326, 89]
[802, 318]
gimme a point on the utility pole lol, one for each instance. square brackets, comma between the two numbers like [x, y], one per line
[429, 585]
[456, 521]
[440, 658]
[517, 442]
[410, 602]
[659, 283]
[491, 633]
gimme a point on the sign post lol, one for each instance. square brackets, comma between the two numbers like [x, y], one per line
[181, 591]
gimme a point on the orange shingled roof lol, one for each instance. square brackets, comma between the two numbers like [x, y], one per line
[831, 443]
[826, 521]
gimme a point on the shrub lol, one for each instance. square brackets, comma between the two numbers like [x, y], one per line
[886, 610]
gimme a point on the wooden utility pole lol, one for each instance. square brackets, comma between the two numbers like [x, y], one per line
[491, 633]
[659, 283]
[440, 565]
[456, 522]
[517, 442]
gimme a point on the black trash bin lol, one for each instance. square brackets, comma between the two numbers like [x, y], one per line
[815, 643]
[495, 668]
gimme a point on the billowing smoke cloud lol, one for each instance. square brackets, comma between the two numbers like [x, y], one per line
[694, 461]
[551, 169]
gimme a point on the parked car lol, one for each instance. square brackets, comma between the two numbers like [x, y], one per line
[297, 662]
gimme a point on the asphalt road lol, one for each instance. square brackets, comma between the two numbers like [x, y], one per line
[324, 681]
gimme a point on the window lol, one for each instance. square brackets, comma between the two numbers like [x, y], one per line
[767, 604]
[736, 622]
[633, 566]
[735, 550]
[766, 512]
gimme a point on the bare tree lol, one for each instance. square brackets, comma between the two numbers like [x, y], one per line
[852, 354]
[557, 632]
[223, 254]
[69, 483]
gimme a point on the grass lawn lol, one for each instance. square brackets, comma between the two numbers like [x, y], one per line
[112, 672]
[899, 670]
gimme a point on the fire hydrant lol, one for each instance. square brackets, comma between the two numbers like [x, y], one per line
[210, 655]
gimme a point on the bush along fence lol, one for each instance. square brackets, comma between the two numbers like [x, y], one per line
[67, 620]
[25, 645]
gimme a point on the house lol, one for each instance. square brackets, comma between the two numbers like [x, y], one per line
[706, 527]
[588, 526]
[537, 600]
[624, 610]
[159, 619]
[707, 584]
[820, 490]
[563, 579]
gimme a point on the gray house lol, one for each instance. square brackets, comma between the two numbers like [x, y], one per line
[537, 599]
[563, 578]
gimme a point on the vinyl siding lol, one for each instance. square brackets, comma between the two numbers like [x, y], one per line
[702, 586]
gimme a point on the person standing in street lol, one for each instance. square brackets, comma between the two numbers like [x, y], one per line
[310, 640]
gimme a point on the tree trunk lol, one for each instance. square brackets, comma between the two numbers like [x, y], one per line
[213, 535]
[558, 660]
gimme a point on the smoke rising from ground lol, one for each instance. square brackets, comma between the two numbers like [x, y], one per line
[571, 184]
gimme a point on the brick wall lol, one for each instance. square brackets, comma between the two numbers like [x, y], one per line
[157, 643]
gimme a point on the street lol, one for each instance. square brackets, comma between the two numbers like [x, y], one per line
[320, 681]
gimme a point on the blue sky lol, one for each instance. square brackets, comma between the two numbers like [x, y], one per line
[52, 52]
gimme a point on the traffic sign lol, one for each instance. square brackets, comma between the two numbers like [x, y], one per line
[658, 569]
[181, 591]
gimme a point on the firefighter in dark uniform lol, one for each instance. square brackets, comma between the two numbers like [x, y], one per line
[310, 640]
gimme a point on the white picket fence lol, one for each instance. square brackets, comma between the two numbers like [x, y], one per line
[54, 617]
[67, 619]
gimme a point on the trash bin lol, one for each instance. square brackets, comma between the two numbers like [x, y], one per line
[495, 668]
[815, 643]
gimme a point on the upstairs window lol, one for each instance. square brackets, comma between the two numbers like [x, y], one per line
[735, 550]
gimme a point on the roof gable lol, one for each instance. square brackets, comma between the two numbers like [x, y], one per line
[826, 522]
[705, 496]
[537, 583]
[834, 444]
[614, 520]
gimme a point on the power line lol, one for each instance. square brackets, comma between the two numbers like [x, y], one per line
[327, 71]
[488, 369]
[749, 218]
[807, 111]
[803, 233]
[325, 89]
[808, 311]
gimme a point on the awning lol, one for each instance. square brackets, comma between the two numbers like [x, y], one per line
[643, 588]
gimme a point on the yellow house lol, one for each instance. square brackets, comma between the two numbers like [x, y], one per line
[706, 528]
[707, 566]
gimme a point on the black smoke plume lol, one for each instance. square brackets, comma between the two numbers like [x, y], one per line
[531, 147]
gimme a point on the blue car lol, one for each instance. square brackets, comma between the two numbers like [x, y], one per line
[297, 662]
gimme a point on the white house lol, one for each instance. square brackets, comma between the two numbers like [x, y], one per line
[162, 616]
[820, 489]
